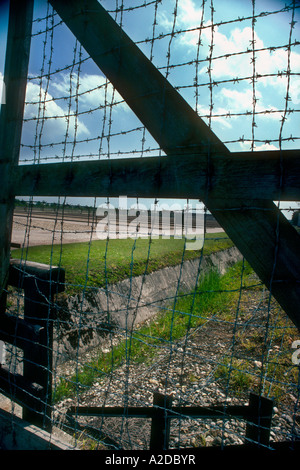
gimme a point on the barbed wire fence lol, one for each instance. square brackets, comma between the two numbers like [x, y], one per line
[203, 330]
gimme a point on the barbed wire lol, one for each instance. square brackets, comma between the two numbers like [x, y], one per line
[222, 351]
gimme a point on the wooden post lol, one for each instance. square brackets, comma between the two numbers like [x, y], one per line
[160, 427]
[38, 367]
[40, 283]
[260, 420]
[15, 78]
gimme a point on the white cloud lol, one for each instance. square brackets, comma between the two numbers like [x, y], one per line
[238, 100]
[266, 63]
[294, 91]
[230, 102]
[188, 16]
[234, 63]
[93, 90]
[224, 119]
[40, 103]
[236, 42]
[243, 101]
[280, 86]
[265, 147]
[245, 146]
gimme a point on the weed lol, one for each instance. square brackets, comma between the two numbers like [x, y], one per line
[235, 374]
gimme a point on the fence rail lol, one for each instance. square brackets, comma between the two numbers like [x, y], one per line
[258, 414]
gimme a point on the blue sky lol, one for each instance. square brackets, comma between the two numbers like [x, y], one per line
[96, 131]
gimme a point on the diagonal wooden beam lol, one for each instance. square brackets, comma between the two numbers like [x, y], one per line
[164, 112]
[270, 244]
[244, 175]
[15, 79]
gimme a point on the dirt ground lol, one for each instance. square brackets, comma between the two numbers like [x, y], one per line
[39, 231]
[47, 231]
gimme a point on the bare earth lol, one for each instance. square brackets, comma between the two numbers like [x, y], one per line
[38, 231]
[47, 231]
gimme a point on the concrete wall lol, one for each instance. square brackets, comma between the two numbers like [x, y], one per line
[85, 317]
[17, 434]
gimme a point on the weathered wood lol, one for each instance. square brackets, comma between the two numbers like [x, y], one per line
[172, 412]
[260, 420]
[15, 79]
[258, 414]
[40, 283]
[16, 331]
[269, 242]
[22, 391]
[167, 116]
[241, 176]
[26, 274]
[160, 426]
[178, 129]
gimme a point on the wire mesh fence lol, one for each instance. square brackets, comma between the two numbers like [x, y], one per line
[140, 314]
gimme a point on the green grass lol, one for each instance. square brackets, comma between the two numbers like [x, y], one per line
[277, 369]
[100, 262]
[236, 373]
[216, 293]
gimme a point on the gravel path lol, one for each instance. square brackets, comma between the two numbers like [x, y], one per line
[186, 371]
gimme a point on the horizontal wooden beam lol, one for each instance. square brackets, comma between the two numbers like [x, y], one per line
[244, 175]
[31, 276]
[24, 392]
[217, 412]
[16, 331]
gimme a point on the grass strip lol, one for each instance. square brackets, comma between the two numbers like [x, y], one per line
[100, 262]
